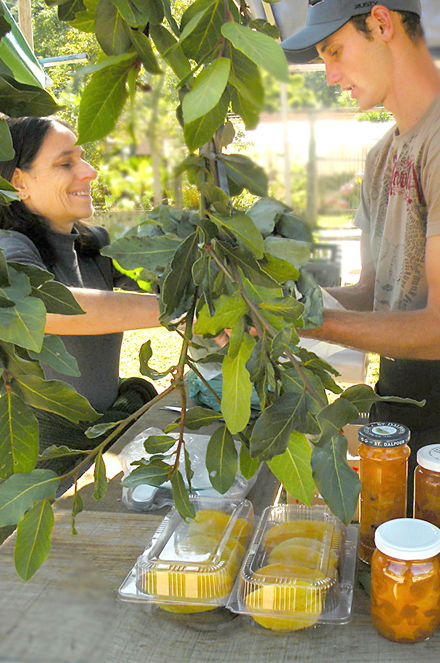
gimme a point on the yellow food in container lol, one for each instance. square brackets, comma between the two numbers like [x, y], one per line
[192, 566]
[290, 574]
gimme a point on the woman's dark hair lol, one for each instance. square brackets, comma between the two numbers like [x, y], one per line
[410, 21]
[28, 135]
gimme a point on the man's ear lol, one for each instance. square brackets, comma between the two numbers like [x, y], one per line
[382, 19]
[17, 180]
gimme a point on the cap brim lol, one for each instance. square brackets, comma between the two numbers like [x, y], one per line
[301, 47]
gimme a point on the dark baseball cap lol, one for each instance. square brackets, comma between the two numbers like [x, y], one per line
[325, 17]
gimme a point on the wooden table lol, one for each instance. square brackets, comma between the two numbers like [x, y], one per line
[69, 611]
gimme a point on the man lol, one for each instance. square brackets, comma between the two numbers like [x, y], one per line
[377, 52]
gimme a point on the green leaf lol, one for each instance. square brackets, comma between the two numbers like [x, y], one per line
[287, 307]
[18, 99]
[102, 101]
[202, 130]
[59, 452]
[145, 354]
[178, 282]
[312, 300]
[54, 354]
[20, 491]
[333, 417]
[67, 10]
[237, 386]
[265, 213]
[249, 113]
[18, 436]
[111, 30]
[338, 483]
[248, 465]
[273, 427]
[32, 545]
[250, 267]
[362, 397]
[36, 275]
[294, 383]
[243, 229]
[278, 269]
[100, 429]
[147, 252]
[18, 364]
[197, 417]
[6, 148]
[77, 507]
[135, 14]
[99, 477]
[170, 50]
[259, 48]
[228, 311]
[57, 298]
[221, 460]
[156, 444]
[245, 173]
[246, 78]
[296, 253]
[261, 370]
[180, 496]
[280, 342]
[293, 469]
[16, 56]
[23, 324]
[145, 51]
[153, 473]
[207, 90]
[54, 396]
[8, 193]
[207, 33]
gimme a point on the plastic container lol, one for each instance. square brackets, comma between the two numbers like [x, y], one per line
[427, 484]
[405, 580]
[190, 566]
[383, 472]
[299, 570]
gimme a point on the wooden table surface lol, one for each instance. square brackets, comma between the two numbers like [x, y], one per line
[69, 611]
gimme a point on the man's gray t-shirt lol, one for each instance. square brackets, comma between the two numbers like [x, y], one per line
[97, 355]
[400, 209]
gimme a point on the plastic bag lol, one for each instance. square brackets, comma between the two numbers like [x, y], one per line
[148, 498]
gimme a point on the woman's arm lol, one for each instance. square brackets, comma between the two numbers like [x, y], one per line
[106, 312]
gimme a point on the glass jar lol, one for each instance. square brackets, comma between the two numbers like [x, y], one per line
[405, 580]
[427, 484]
[383, 472]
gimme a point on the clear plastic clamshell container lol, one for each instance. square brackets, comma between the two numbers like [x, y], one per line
[190, 566]
[299, 569]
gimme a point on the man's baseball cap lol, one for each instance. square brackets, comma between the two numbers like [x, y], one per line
[325, 17]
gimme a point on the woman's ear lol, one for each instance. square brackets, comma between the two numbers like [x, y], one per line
[17, 180]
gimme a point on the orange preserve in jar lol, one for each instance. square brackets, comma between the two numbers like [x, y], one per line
[427, 484]
[383, 472]
[405, 580]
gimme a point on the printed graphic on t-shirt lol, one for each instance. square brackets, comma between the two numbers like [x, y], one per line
[400, 234]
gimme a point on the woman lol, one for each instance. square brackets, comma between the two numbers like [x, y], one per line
[54, 184]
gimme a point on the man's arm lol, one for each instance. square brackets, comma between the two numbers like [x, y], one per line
[397, 334]
[106, 312]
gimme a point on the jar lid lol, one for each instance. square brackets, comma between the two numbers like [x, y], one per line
[429, 457]
[408, 538]
[383, 434]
